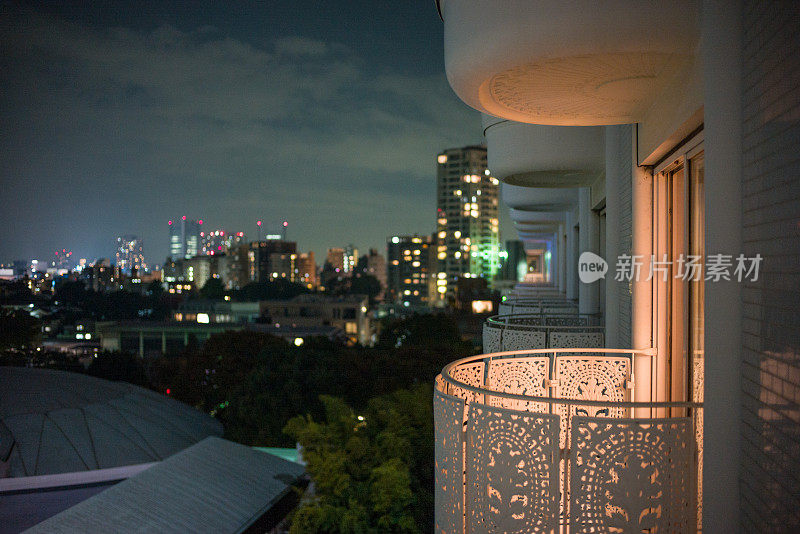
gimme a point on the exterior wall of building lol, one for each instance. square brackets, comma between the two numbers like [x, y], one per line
[412, 270]
[349, 314]
[467, 216]
[130, 254]
[619, 232]
[771, 306]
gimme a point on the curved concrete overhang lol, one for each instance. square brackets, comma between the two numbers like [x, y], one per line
[577, 63]
[539, 198]
[544, 156]
[529, 217]
[537, 228]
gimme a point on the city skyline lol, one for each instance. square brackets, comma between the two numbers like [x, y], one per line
[229, 125]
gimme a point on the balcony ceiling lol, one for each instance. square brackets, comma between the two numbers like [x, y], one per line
[538, 199]
[544, 156]
[535, 217]
[578, 63]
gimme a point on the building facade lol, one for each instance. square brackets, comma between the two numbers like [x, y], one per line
[306, 267]
[130, 254]
[271, 259]
[413, 274]
[466, 216]
[184, 238]
[220, 242]
[648, 148]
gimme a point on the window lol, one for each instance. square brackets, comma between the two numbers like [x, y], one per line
[678, 277]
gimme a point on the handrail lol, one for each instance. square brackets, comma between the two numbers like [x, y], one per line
[650, 352]
[497, 320]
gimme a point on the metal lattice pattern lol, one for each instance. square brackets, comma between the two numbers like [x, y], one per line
[574, 340]
[632, 475]
[471, 375]
[529, 460]
[448, 414]
[520, 376]
[697, 394]
[566, 320]
[513, 471]
[593, 378]
[503, 339]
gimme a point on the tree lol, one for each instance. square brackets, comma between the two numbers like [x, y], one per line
[372, 472]
[213, 289]
[155, 289]
[18, 329]
[365, 284]
[280, 289]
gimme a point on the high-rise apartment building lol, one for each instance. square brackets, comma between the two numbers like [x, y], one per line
[467, 216]
[270, 259]
[130, 254]
[413, 277]
[306, 269]
[184, 238]
[219, 242]
[350, 258]
[336, 259]
[376, 266]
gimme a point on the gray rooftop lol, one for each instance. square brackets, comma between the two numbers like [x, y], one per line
[66, 422]
[214, 486]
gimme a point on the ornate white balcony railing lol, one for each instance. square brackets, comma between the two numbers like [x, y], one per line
[539, 331]
[549, 441]
[516, 306]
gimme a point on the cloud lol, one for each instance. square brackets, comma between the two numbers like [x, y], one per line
[212, 120]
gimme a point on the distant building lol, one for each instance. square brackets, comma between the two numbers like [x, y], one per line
[62, 260]
[151, 338]
[184, 238]
[514, 261]
[376, 266]
[412, 271]
[335, 259]
[216, 311]
[306, 270]
[467, 216]
[220, 242]
[348, 313]
[271, 259]
[349, 258]
[99, 276]
[130, 254]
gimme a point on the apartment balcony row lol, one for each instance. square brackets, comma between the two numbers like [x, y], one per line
[539, 331]
[549, 440]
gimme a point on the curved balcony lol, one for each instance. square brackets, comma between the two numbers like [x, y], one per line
[549, 441]
[537, 306]
[534, 290]
[538, 198]
[539, 331]
[544, 156]
[579, 63]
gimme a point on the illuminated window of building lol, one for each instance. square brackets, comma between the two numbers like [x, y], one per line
[351, 327]
[442, 158]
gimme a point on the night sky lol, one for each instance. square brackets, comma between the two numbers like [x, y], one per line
[121, 116]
